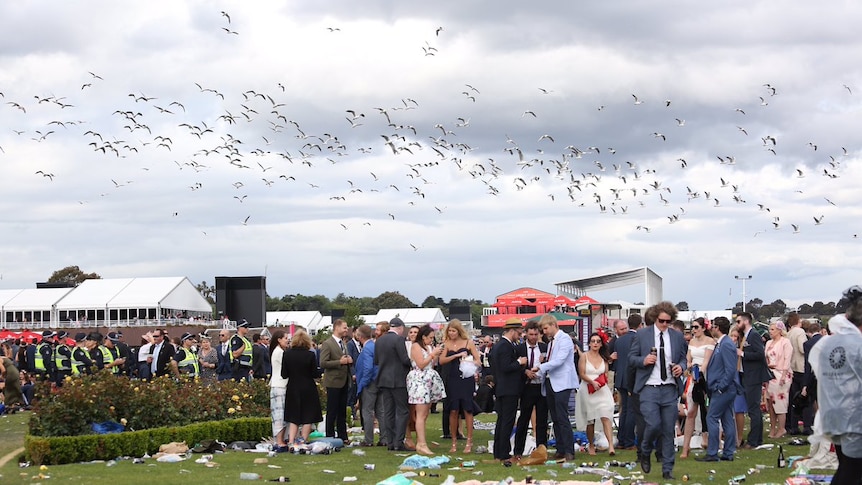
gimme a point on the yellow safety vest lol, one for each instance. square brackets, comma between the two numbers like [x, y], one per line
[62, 362]
[246, 357]
[38, 361]
[108, 358]
[76, 363]
[190, 364]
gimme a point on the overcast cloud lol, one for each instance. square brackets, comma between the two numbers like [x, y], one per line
[530, 143]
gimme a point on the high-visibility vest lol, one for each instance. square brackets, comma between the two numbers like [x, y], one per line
[77, 363]
[38, 360]
[190, 365]
[62, 362]
[246, 357]
[108, 358]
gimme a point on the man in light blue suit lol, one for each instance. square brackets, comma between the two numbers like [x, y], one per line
[560, 378]
[658, 356]
[722, 384]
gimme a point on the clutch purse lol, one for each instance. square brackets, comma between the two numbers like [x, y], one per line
[601, 382]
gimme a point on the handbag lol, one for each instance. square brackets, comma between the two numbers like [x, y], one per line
[601, 382]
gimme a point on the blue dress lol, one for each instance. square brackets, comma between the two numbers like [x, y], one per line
[459, 390]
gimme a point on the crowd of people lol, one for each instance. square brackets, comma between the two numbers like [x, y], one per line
[664, 379]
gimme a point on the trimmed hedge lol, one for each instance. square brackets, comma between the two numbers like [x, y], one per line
[74, 449]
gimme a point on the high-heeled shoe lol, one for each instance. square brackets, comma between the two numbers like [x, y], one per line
[422, 449]
[409, 443]
[468, 448]
[454, 448]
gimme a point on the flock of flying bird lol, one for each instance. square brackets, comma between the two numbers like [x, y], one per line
[256, 138]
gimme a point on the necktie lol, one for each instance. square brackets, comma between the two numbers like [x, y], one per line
[341, 346]
[532, 355]
[550, 349]
[661, 358]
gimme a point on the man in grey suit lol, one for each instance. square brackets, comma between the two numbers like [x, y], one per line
[620, 358]
[393, 363]
[658, 355]
[754, 373]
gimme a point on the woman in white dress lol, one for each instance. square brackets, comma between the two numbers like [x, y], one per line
[595, 400]
[278, 388]
[699, 351]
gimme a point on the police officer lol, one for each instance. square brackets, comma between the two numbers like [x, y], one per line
[62, 359]
[241, 352]
[185, 361]
[101, 355]
[42, 359]
[118, 361]
[81, 361]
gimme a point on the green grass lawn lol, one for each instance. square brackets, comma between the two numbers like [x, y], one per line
[313, 468]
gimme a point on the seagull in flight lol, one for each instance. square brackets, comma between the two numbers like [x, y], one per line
[637, 101]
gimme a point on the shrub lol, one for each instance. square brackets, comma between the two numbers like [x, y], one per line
[140, 405]
[74, 449]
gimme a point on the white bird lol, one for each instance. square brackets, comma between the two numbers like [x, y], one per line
[818, 220]
[679, 122]
[637, 101]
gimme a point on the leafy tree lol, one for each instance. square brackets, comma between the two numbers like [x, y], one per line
[682, 306]
[806, 309]
[392, 299]
[206, 291]
[72, 274]
[433, 302]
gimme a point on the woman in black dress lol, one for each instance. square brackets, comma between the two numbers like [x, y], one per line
[299, 367]
[459, 388]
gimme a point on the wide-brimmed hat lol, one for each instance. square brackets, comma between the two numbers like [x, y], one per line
[513, 323]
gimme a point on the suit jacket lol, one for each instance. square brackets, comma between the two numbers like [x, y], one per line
[335, 373]
[163, 361]
[223, 367]
[644, 341]
[353, 351]
[523, 351]
[721, 374]
[560, 365]
[508, 372]
[261, 363]
[366, 371]
[393, 363]
[754, 369]
[623, 348]
[808, 378]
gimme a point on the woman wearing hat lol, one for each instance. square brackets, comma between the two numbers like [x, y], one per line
[778, 353]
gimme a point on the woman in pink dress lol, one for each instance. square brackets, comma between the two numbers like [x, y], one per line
[778, 352]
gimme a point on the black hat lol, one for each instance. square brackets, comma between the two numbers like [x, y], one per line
[80, 337]
[186, 336]
[47, 334]
[396, 322]
[244, 323]
[62, 334]
[113, 337]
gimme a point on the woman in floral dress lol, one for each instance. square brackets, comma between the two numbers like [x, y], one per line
[424, 385]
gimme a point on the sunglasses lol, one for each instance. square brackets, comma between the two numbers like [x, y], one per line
[695, 327]
[595, 341]
[662, 320]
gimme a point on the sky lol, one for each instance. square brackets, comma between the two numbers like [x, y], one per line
[455, 149]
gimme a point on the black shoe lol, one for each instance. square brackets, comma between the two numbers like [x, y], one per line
[795, 432]
[646, 466]
[401, 448]
[726, 458]
[706, 458]
[446, 437]
[667, 476]
[807, 432]
[380, 443]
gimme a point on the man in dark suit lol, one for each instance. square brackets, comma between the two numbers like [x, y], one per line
[658, 354]
[163, 352]
[261, 361]
[809, 382]
[722, 384]
[336, 374]
[508, 370]
[531, 395]
[390, 356]
[224, 372]
[620, 358]
[754, 374]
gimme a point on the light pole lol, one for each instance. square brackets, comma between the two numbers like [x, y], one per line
[743, 279]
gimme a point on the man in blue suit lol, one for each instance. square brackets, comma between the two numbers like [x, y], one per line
[559, 378]
[508, 371]
[658, 355]
[722, 384]
[620, 357]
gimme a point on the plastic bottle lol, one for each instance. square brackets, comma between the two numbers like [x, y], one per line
[249, 476]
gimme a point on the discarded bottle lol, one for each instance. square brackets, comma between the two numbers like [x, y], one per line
[249, 476]
[281, 479]
[782, 463]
